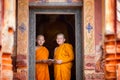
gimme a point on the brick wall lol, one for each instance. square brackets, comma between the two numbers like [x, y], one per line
[22, 40]
[7, 38]
[0, 32]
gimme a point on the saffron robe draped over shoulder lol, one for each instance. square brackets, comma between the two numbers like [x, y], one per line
[42, 72]
[65, 53]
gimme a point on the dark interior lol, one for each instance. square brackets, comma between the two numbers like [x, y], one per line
[51, 24]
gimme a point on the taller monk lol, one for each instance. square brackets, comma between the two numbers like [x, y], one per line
[63, 57]
[42, 72]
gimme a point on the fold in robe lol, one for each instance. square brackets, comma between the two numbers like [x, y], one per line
[65, 53]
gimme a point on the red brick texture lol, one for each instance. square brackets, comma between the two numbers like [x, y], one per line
[7, 29]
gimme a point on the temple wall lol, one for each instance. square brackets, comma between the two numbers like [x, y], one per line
[0, 33]
[93, 24]
[92, 38]
[92, 10]
[8, 26]
[22, 40]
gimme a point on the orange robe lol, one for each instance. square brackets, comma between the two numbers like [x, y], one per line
[65, 53]
[42, 72]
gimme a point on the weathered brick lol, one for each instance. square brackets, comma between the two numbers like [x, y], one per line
[20, 75]
[22, 38]
[118, 72]
[21, 63]
[6, 60]
[6, 67]
[10, 30]
[20, 57]
[7, 28]
[7, 75]
[6, 55]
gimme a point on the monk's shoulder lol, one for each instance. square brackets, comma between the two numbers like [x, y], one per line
[36, 48]
[45, 48]
[67, 44]
[55, 49]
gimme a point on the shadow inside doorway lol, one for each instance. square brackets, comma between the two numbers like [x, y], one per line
[50, 25]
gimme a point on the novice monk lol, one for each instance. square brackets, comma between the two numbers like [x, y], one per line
[42, 54]
[63, 57]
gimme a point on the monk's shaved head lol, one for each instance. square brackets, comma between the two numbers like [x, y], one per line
[40, 35]
[61, 34]
[60, 38]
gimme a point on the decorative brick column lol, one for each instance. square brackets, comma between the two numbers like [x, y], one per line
[7, 36]
[92, 38]
[0, 34]
[111, 46]
[89, 39]
[22, 39]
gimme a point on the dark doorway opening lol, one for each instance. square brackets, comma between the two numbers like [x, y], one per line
[77, 72]
[50, 25]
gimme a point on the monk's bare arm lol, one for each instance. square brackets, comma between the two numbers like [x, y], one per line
[39, 61]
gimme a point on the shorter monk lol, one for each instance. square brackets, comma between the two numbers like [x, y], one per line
[42, 72]
[63, 57]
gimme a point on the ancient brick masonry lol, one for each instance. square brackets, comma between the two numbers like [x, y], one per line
[7, 38]
[22, 40]
[111, 42]
[0, 33]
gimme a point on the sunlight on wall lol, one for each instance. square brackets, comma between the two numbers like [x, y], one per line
[109, 20]
[118, 10]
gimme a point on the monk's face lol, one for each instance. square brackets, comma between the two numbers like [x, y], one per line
[60, 39]
[40, 40]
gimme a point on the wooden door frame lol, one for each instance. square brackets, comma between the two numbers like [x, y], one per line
[78, 38]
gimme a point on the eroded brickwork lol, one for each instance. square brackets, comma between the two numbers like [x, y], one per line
[7, 38]
[0, 33]
[22, 40]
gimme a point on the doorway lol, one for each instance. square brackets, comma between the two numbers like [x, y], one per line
[49, 23]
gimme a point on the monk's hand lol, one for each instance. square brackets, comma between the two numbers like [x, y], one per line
[44, 61]
[58, 61]
[39, 61]
[49, 61]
